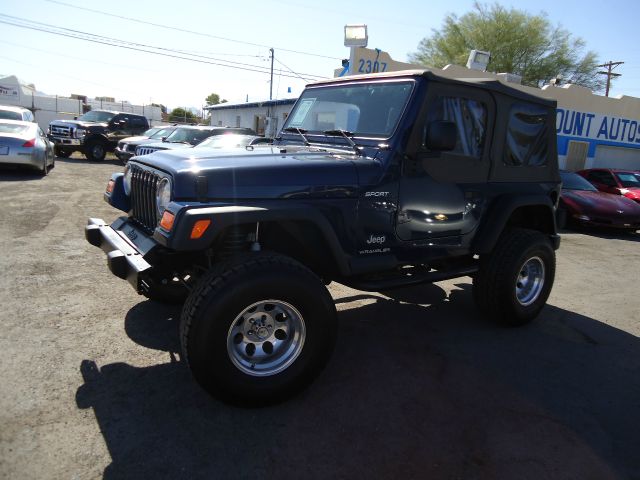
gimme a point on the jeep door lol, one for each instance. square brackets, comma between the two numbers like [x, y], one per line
[442, 188]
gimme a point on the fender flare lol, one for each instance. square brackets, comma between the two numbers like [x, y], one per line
[223, 217]
[498, 215]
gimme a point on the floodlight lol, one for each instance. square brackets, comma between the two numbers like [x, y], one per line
[478, 60]
[355, 36]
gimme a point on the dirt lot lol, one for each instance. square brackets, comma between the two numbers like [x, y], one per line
[92, 384]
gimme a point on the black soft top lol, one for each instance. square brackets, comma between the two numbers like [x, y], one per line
[483, 83]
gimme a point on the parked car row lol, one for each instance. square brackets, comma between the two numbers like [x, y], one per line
[180, 137]
[583, 203]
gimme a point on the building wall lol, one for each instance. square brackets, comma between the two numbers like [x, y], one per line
[251, 117]
[47, 108]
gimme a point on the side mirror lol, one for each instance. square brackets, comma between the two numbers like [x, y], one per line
[441, 136]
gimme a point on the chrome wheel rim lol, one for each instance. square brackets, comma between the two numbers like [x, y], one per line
[266, 338]
[530, 281]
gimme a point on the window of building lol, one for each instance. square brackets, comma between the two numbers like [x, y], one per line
[237, 120]
[527, 141]
[470, 117]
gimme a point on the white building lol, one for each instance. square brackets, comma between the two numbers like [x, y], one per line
[47, 108]
[265, 117]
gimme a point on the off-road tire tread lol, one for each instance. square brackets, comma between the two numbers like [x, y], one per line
[487, 288]
[218, 277]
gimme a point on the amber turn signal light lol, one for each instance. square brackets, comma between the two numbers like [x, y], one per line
[167, 220]
[199, 228]
[110, 186]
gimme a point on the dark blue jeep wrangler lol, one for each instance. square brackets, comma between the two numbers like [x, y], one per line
[375, 182]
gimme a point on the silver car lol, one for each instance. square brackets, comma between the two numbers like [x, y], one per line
[9, 112]
[24, 144]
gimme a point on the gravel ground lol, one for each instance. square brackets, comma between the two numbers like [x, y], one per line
[418, 387]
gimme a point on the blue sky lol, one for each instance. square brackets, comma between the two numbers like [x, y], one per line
[62, 65]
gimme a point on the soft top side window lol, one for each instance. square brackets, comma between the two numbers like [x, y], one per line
[527, 142]
[470, 117]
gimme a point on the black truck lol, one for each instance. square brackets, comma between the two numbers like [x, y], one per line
[375, 182]
[95, 133]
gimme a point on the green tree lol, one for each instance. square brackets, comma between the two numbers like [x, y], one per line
[181, 115]
[520, 43]
[214, 99]
[163, 109]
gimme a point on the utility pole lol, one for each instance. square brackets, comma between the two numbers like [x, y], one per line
[271, 82]
[609, 66]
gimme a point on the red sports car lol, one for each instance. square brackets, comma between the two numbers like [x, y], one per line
[582, 204]
[616, 181]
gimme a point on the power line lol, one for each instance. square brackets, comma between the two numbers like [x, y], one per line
[184, 30]
[79, 35]
[609, 66]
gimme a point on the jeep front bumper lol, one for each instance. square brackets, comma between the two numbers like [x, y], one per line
[125, 246]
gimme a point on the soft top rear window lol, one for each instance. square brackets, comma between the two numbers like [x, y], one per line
[527, 142]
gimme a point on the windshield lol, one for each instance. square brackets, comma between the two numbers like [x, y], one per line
[573, 181]
[9, 115]
[227, 141]
[628, 179]
[364, 109]
[96, 116]
[161, 132]
[188, 135]
[149, 133]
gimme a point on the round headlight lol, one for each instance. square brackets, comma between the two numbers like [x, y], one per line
[127, 180]
[163, 195]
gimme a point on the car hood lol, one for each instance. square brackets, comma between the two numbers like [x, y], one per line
[600, 202]
[78, 123]
[139, 138]
[265, 172]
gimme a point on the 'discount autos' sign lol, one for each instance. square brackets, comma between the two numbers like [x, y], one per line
[596, 126]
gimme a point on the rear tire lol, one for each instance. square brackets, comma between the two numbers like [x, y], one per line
[514, 281]
[259, 331]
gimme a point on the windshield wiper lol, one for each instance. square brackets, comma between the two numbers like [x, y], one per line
[347, 135]
[299, 131]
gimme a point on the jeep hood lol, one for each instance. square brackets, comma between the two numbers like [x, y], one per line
[264, 172]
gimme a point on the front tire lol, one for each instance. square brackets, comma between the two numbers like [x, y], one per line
[515, 280]
[96, 150]
[259, 331]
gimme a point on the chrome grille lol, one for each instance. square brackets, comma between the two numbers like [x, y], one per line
[144, 184]
[61, 131]
[146, 150]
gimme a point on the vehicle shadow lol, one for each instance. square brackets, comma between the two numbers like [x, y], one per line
[82, 160]
[418, 387]
[603, 233]
[18, 174]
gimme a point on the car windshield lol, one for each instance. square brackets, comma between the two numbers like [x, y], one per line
[365, 109]
[573, 181]
[96, 116]
[161, 132]
[188, 135]
[9, 115]
[149, 133]
[13, 128]
[628, 179]
[227, 141]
